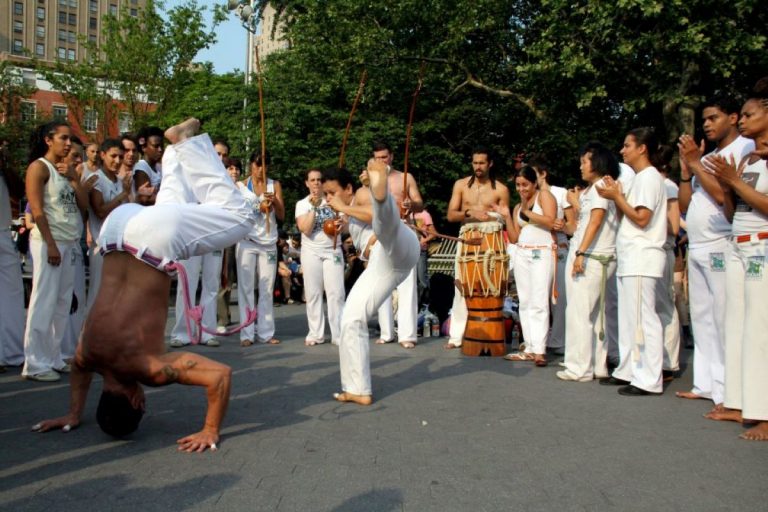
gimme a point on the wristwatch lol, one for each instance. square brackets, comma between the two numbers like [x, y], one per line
[580, 253]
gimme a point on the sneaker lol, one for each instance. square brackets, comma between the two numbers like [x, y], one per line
[221, 329]
[178, 343]
[213, 342]
[49, 376]
[64, 369]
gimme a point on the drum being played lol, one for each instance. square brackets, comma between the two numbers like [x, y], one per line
[482, 271]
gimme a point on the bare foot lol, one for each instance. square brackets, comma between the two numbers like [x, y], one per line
[450, 346]
[349, 397]
[377, 174]
[690, 395]
[407, 344]
[757, 433]
[382, 341]
[183, 130]
[725, 415]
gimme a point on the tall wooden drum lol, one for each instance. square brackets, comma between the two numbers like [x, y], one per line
[482, 271]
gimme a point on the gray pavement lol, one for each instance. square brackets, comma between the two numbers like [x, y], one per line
[446, 433]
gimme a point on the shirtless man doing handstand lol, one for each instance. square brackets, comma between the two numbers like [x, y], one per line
[198, 210]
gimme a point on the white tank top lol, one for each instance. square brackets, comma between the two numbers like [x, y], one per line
[746, 220]
[561, 197]
[60, 208]
[531, 234]
[259, 234]
[360, 232]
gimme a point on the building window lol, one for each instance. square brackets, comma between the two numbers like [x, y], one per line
[62, 53]
[73, 4]
[62, 35]
[41, 13]
[39, 49]
[18, 27]
[93, 6]
[134, 12]
[92, 23]
[60, 112]
[125, 122]
[71, 37]
[92, 38]
[18, 46]
[40, 31]
[18, 8]
[63, 3]
[28, 111]
[90, 121]
[70, 54]
[113, 10]
[62, 18]
[73, 19]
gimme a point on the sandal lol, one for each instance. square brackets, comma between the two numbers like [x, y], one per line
[246, 343]
[519, 356]
[272, 341]
[540, 360]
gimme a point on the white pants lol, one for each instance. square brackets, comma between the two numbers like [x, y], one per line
[612, 318]
[256, 262]
[641, 340]
[176, 227]
[95, 263]
[407, 312]
[392, 258]
[670, 322]
[533, 277]
[11, 303]
[76, 319]
[746, 325]
[209, 265]
[557, 335]
[459, 311]
[585, 353]
[323, 270]
[48, 307]
[707, 286]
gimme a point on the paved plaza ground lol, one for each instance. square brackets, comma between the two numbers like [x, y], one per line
[445, 433]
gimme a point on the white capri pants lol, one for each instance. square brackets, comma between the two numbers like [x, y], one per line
[533, 277]
[323, 270]
[392, 259]
[557, 336]
[670, 321]
[209, 265]
[707, 287]
[11, 303]
[641, 339]
[407, 312]
[257, 262]
[746, 325]
[76, 318]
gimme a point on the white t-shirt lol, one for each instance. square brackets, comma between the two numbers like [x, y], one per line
[705, 221]
[317, 239]
[672, 194]
[561, 197]
[746, 220]
[640, 251]
[626, 176]
[259, 234]
[155, 175]
[109, 191]
[604, 241]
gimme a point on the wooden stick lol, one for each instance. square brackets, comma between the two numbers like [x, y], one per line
[468, 241]
[410, 127]
[263, 128]
[360, 87]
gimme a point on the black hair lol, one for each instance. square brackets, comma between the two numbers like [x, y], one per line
[727, 104]
[529, 173]
[380, 145]
[147, 132]
[760, 90]
[666, 153]
[256, 158]
[604, 162]
[233, 162]
[311, 169]
[646, 136]
[222, 142]
[340, 175]
[109, 144]
[37, 146]
[116, 416]
[76, 140]
[482, 150]
[130, 137]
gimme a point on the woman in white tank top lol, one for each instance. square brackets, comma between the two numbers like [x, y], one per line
[531, 229]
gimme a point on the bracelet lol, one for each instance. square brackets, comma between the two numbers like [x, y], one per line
[683, 180]
[580, 253]
[466, 213]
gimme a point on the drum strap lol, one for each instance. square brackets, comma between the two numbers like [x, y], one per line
[605, 260]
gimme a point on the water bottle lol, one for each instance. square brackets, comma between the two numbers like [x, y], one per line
[435, 326]
[426, 329]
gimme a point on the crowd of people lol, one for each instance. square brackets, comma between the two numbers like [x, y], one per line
[598, 269]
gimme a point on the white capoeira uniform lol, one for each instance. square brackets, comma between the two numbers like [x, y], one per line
[208, 268]
[534, 263]
[155, 174]
[109, 190]
[626, 177]
[52, 286]
[708, 248]
[12, 284]
[665, 296]
[323, 270]
[257, 259]
[641, 260]
[746, 322]
[556, 339]
[78, 306]
[391, 259]
[586, 352]
[198, 210]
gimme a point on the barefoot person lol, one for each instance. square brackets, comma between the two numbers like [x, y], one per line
[473, 201]
[198, 210]
[392, 250]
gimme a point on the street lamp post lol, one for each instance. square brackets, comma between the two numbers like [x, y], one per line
[243, 9]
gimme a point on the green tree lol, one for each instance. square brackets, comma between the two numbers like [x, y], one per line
[14, 129]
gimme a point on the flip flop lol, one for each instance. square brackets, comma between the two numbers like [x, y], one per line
[246, 343]
[272, 341]
[519, 356]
